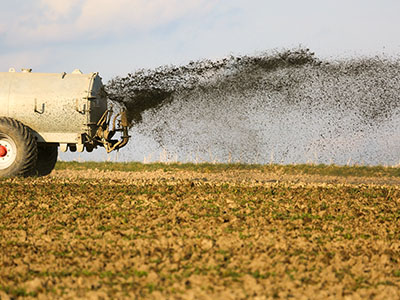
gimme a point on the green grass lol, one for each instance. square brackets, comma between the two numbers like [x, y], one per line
[300, 169]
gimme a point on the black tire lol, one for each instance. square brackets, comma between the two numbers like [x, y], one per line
[21, 155]
[47, 158]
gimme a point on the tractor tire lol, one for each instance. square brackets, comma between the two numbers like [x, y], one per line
[47, 158]
[18, 149]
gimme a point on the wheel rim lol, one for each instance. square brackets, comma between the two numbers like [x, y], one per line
[8, 151]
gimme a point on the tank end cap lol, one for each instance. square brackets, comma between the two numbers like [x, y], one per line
[77, 71]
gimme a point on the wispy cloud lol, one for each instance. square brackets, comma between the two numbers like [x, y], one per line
[56, 9]
[23, 59]
[117, 36]
[60, 20]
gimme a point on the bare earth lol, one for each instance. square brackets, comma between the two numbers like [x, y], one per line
[199, 235]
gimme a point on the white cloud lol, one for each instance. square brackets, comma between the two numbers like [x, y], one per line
[23, 59]
[80, 33]
[119, 15]
[55, 9]
[60, 20]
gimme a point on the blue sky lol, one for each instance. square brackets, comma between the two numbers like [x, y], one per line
[115, 37]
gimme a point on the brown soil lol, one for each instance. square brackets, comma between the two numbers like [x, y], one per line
[196, 235]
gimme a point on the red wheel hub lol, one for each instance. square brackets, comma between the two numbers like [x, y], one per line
[3, 151]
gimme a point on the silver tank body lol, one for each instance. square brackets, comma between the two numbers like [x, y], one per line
[59, 107]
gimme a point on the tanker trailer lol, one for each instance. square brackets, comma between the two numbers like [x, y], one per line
[41, 112]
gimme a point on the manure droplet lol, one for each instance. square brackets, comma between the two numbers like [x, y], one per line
[282, 107]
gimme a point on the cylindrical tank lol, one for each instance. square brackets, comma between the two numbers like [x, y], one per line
[59, 108]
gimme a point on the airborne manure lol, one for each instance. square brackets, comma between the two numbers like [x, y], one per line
[282, 107]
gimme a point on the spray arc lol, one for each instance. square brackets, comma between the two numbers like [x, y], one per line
[286, 107]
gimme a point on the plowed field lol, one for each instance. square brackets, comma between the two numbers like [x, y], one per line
[200, 233]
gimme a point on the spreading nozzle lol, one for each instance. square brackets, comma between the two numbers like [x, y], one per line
[104, 135]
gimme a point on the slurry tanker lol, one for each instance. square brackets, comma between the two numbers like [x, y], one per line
[41, 112]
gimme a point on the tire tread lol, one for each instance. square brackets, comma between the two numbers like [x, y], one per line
[29, 160]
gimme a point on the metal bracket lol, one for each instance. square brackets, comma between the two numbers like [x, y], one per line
[63, 147]
[81, 111]
[38, 111]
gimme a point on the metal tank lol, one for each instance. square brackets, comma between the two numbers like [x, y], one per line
[53, 110]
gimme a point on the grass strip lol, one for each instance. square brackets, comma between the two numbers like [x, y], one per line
[295, 169]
